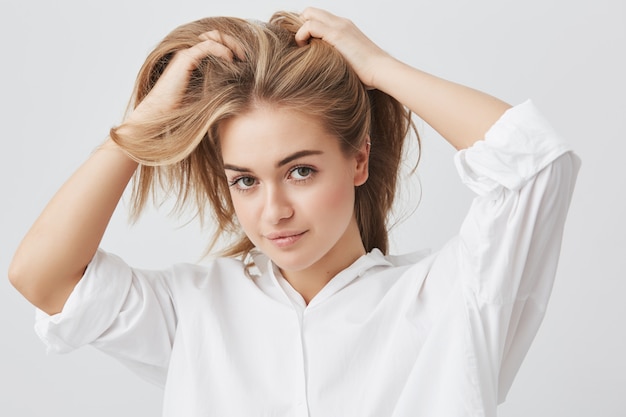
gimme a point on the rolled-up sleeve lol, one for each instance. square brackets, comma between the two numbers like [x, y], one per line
[524, 175]
[507, 251]
[124, 312]
[517, 147]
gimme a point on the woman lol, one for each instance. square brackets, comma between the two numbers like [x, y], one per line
[292, 133]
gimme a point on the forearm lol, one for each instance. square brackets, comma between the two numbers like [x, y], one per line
[460, 114]
[55, 252]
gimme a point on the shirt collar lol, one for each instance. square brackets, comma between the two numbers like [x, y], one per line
[370, 260]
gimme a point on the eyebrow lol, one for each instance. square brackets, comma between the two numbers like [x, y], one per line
[284, 161]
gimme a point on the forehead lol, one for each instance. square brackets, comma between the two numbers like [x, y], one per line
[271, 133]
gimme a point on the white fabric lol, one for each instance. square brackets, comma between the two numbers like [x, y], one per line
[423, 335]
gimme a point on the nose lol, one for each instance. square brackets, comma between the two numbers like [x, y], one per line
[277, 206]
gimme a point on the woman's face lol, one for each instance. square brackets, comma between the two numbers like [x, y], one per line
[293, 188]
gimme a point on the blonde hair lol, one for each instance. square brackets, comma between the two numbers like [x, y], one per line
[179, 152]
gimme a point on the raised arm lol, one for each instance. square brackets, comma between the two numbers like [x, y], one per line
[460, 114]
[55, 252]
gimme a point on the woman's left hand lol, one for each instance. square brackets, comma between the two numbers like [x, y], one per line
[460, 114]
[362, 54]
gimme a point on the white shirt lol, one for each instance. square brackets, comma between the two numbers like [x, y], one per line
[419, 335]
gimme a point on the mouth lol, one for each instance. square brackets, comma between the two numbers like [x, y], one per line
[284, 239]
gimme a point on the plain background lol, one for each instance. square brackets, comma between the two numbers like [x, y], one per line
[67, 72]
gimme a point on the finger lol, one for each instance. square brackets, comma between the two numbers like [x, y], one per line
[202, 49]
[226, 40]
[313, 13]
[234, 46]
[311, 29]
[318, 23]
[303, 34]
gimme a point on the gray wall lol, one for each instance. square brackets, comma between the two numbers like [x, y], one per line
[67, 72]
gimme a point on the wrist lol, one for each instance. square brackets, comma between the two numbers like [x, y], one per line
[384, 69]
[110, 147]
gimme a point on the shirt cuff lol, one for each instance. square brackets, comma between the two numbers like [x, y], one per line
[519, 145]
[90, 309]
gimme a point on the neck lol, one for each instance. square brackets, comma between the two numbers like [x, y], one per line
[310, 281]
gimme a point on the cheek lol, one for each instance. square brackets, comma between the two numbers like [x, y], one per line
[336, 200]
[244, 211]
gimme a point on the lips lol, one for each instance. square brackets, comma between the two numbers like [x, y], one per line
[285, 238]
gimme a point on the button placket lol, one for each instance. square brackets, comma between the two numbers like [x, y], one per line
[300, 400]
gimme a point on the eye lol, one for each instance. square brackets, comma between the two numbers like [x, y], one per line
[301, 173]
[243, 183]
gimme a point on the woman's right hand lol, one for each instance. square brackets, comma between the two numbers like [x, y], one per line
[55, 252]
[167, 92]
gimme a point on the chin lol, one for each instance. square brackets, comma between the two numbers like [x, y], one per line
[291, 265]
[292, 262]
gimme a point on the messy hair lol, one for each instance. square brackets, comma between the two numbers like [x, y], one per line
[179, 152]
